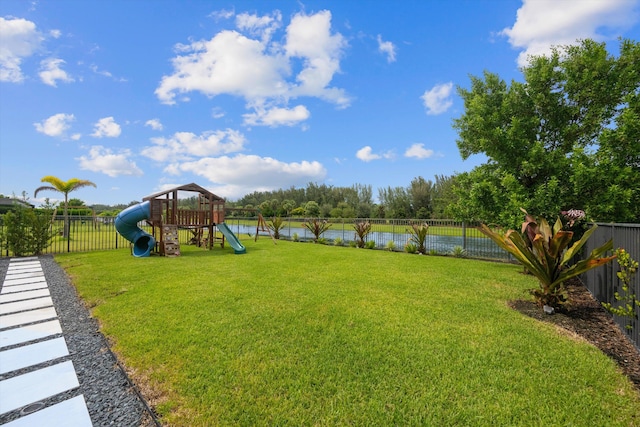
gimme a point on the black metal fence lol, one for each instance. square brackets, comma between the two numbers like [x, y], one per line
[603, 282]
[444, 237]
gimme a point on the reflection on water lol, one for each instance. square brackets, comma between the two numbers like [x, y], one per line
[476, 247]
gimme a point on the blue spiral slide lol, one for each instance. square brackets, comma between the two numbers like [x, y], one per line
[127, 226]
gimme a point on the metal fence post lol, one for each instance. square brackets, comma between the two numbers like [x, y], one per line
[464, 235]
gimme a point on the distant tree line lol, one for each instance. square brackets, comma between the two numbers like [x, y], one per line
[421, 199]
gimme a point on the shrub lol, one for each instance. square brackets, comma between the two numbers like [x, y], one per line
[459, 252]
[628, 268]
[337, 241]
[390, 246]
[362, 229]
[41, 231]
[371, 244]
[295, 237]
[316, 227]
[27, 232]
[353, 244]
[418, 232]
[411, 248]
[543, 252]
[276, 225]
[321, 241]
[433, 252]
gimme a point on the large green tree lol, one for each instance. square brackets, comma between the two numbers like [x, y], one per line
[64, 187]
[421, 193]
[568, 136]
[396, 202]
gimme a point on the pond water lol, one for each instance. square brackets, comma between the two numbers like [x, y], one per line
[476, 247]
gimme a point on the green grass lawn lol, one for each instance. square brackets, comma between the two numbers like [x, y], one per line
[304, 334]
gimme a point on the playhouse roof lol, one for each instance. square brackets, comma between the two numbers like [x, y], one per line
[186, 187]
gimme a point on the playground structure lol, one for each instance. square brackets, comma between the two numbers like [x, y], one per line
[161, 210]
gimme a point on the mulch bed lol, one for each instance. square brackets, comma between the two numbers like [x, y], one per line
[586, 318]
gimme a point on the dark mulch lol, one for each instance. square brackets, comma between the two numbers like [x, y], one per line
[586, 318]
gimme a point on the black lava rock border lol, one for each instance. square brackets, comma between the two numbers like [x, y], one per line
[111, 397]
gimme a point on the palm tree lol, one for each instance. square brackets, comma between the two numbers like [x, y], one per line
[64, 187]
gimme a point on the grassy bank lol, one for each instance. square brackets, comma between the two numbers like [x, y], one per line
[305, 334]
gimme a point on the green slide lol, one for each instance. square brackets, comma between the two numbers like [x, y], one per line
[231, 238]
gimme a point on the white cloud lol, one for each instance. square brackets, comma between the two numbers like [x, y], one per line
[172, 169]
[419, 152]
[543, 23]
[96, 70]
[366, 154]
[277, 116]
[55, 34]
[228, 63]
[55, 125]
[106, 127]
[222, 14]
[437, 100]
[262, 26]
[242, 174]
[51, 72]
[19, 39]
[259, 70]
[106, 73]
[217, 113]
[309, 37]
[387, 48]
[186, 145]
[154, 124]
[103, 160]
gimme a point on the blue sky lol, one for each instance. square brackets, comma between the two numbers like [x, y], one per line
[238, 96]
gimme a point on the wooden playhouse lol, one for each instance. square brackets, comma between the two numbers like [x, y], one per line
[167, 217]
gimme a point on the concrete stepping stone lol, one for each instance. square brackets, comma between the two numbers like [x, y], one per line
[36, 266]
[34, 386]
[39, 315]
[24, 264]
[36, 270]
[24, 275]
[17, 268]
[32, 354]
[22, 288]
[24, 305]
[18, 296]
[21, 266]
[28, 280]
[70, 413]
[28, 333]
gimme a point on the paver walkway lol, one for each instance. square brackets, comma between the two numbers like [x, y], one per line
[34, 359]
